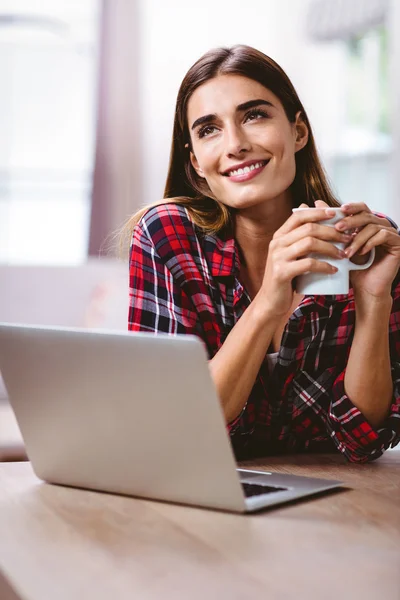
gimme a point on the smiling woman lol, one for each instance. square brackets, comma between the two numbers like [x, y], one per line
[241, 135]
[218, 258]
[184, 185]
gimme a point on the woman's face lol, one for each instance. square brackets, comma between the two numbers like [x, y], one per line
[242, 141]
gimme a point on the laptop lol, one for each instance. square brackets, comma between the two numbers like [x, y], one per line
[131, 413]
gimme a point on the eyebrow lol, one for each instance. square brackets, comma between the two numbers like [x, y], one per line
[239, 108]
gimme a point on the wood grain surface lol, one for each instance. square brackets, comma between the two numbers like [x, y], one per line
[66, 544]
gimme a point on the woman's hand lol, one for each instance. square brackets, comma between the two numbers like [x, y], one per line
[371, 232]
[299, 236]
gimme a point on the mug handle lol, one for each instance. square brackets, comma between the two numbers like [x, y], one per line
[369, 262]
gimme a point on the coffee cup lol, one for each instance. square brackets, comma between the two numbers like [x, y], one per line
[325, 283]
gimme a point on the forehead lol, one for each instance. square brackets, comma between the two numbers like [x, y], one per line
[222, 94]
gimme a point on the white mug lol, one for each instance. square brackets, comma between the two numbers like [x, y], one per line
[330, 284]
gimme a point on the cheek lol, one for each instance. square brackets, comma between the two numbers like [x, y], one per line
[210, 161]
[286, 161]
[205, 160]
[281, 144]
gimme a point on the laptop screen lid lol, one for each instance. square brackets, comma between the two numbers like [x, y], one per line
[124, 412]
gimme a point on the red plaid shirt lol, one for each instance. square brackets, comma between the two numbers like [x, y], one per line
[183, 281]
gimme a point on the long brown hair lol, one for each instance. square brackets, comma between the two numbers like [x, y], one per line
[185, 187]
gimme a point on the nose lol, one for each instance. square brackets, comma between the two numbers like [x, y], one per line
[236, 141]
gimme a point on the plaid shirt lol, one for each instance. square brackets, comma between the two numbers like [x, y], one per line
[183, 281]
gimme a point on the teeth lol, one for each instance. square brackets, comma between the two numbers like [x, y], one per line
[245, 169]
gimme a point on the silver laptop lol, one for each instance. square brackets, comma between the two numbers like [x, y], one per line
[131, 413]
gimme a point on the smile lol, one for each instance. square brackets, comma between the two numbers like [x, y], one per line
[246, 172]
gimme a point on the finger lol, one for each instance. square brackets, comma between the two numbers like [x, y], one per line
[361, 238]
[311, 215]
[321, 204]
[387, 237]
[354, 208]
[310, 265]
[360, 220]
[307, 246]
[313, 230]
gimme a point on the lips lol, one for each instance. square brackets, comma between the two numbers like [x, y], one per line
[245, 168]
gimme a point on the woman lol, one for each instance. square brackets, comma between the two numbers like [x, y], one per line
[218, 257]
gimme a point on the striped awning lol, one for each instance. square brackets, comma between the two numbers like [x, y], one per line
[343, 19]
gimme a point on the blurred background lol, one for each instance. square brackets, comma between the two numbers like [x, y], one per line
[88, 89]
[87, 99]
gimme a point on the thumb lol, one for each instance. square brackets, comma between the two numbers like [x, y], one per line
[321, 204]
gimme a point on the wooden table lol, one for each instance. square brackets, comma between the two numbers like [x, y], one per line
[66, 544]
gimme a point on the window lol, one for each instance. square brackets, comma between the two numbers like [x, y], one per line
[48, 59]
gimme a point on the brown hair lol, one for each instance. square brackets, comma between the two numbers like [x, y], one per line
[185, 187]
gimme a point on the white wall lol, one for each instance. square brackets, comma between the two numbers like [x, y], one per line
[55, 114]
[176, 33]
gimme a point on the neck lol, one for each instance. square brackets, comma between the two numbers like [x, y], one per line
[255, 227]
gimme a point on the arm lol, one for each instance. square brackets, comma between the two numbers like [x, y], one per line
[352, 426]
[365, 411]
[235, 366]
[368, 379]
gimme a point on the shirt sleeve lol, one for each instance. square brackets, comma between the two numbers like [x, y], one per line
[157, 301]
[351, 432]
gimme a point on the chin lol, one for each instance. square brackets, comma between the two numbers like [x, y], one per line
[250, 200]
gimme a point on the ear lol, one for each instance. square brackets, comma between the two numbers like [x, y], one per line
[301, 132]
[195, 165]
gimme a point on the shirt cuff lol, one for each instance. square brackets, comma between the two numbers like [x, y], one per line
[355, 437]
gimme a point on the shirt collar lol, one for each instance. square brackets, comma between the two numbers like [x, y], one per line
[222, 255]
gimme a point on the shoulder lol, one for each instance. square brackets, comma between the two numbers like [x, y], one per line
[166, 223]
[168, 230]
[166, 216]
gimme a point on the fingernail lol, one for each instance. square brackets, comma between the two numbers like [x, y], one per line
[329, 212]
[342, 254]
[341, 226]
[349, 252]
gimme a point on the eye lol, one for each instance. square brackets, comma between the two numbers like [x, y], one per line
[206, 130]
[255, 114]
